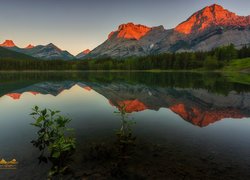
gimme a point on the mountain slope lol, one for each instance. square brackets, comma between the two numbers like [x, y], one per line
[9, 54]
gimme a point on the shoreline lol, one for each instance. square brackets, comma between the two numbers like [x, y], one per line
[127, 71]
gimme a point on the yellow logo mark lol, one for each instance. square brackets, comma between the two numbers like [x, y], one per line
[8, 164]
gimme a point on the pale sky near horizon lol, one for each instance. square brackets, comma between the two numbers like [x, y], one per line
[76, 25]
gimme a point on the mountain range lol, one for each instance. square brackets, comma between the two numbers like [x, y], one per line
[208, 28]
[47, 52]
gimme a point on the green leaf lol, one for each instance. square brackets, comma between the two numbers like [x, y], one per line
[40, 119]
[44, 112]
[56, 154]
[35, 124]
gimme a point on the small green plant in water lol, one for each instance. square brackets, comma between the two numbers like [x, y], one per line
[53, 138]
[124, 134]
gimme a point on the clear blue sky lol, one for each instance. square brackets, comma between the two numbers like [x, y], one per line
[76, 25]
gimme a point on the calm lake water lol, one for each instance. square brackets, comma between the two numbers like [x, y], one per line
[187, 125]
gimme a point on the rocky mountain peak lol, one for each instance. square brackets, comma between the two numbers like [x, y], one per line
[87, 51]
[83, 54]
[51, 45]
[214, 15]
[8, 43]
[30, 46]
[130, 31]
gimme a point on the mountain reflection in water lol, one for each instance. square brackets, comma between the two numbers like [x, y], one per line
[198, 105]
[184, 123]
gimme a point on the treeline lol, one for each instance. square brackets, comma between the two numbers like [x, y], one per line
[215, 59]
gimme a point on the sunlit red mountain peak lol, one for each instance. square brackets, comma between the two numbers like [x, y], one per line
[8, 43]
[214, 15]
[83, 54]
[30, 46]
[130, 31]
[87, 51]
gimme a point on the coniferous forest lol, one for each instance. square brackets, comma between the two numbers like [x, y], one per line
[212, 60]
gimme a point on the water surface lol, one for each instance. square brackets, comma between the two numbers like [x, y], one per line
[188, 125]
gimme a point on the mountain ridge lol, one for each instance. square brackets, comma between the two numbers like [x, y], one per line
[208, 28]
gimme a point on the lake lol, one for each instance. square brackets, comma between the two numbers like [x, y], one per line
[185, 125]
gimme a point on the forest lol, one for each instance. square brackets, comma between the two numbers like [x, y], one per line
[212, 60]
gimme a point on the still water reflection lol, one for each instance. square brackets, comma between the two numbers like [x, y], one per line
[187, 125]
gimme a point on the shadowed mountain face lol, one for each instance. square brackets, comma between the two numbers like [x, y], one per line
[195, 103]
[211, 27]
[9, 54]
[48, 52]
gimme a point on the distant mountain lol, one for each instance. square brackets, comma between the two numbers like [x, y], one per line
[82, 54]
[30, 46]
[211, 27]
[8, 43]
[47, 52]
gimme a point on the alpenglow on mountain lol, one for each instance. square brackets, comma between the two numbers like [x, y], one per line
[211, 27]
[83, 54]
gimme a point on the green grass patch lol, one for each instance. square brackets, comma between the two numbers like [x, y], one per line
[238, 65]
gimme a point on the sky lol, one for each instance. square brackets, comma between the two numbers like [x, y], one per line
[76, 25]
